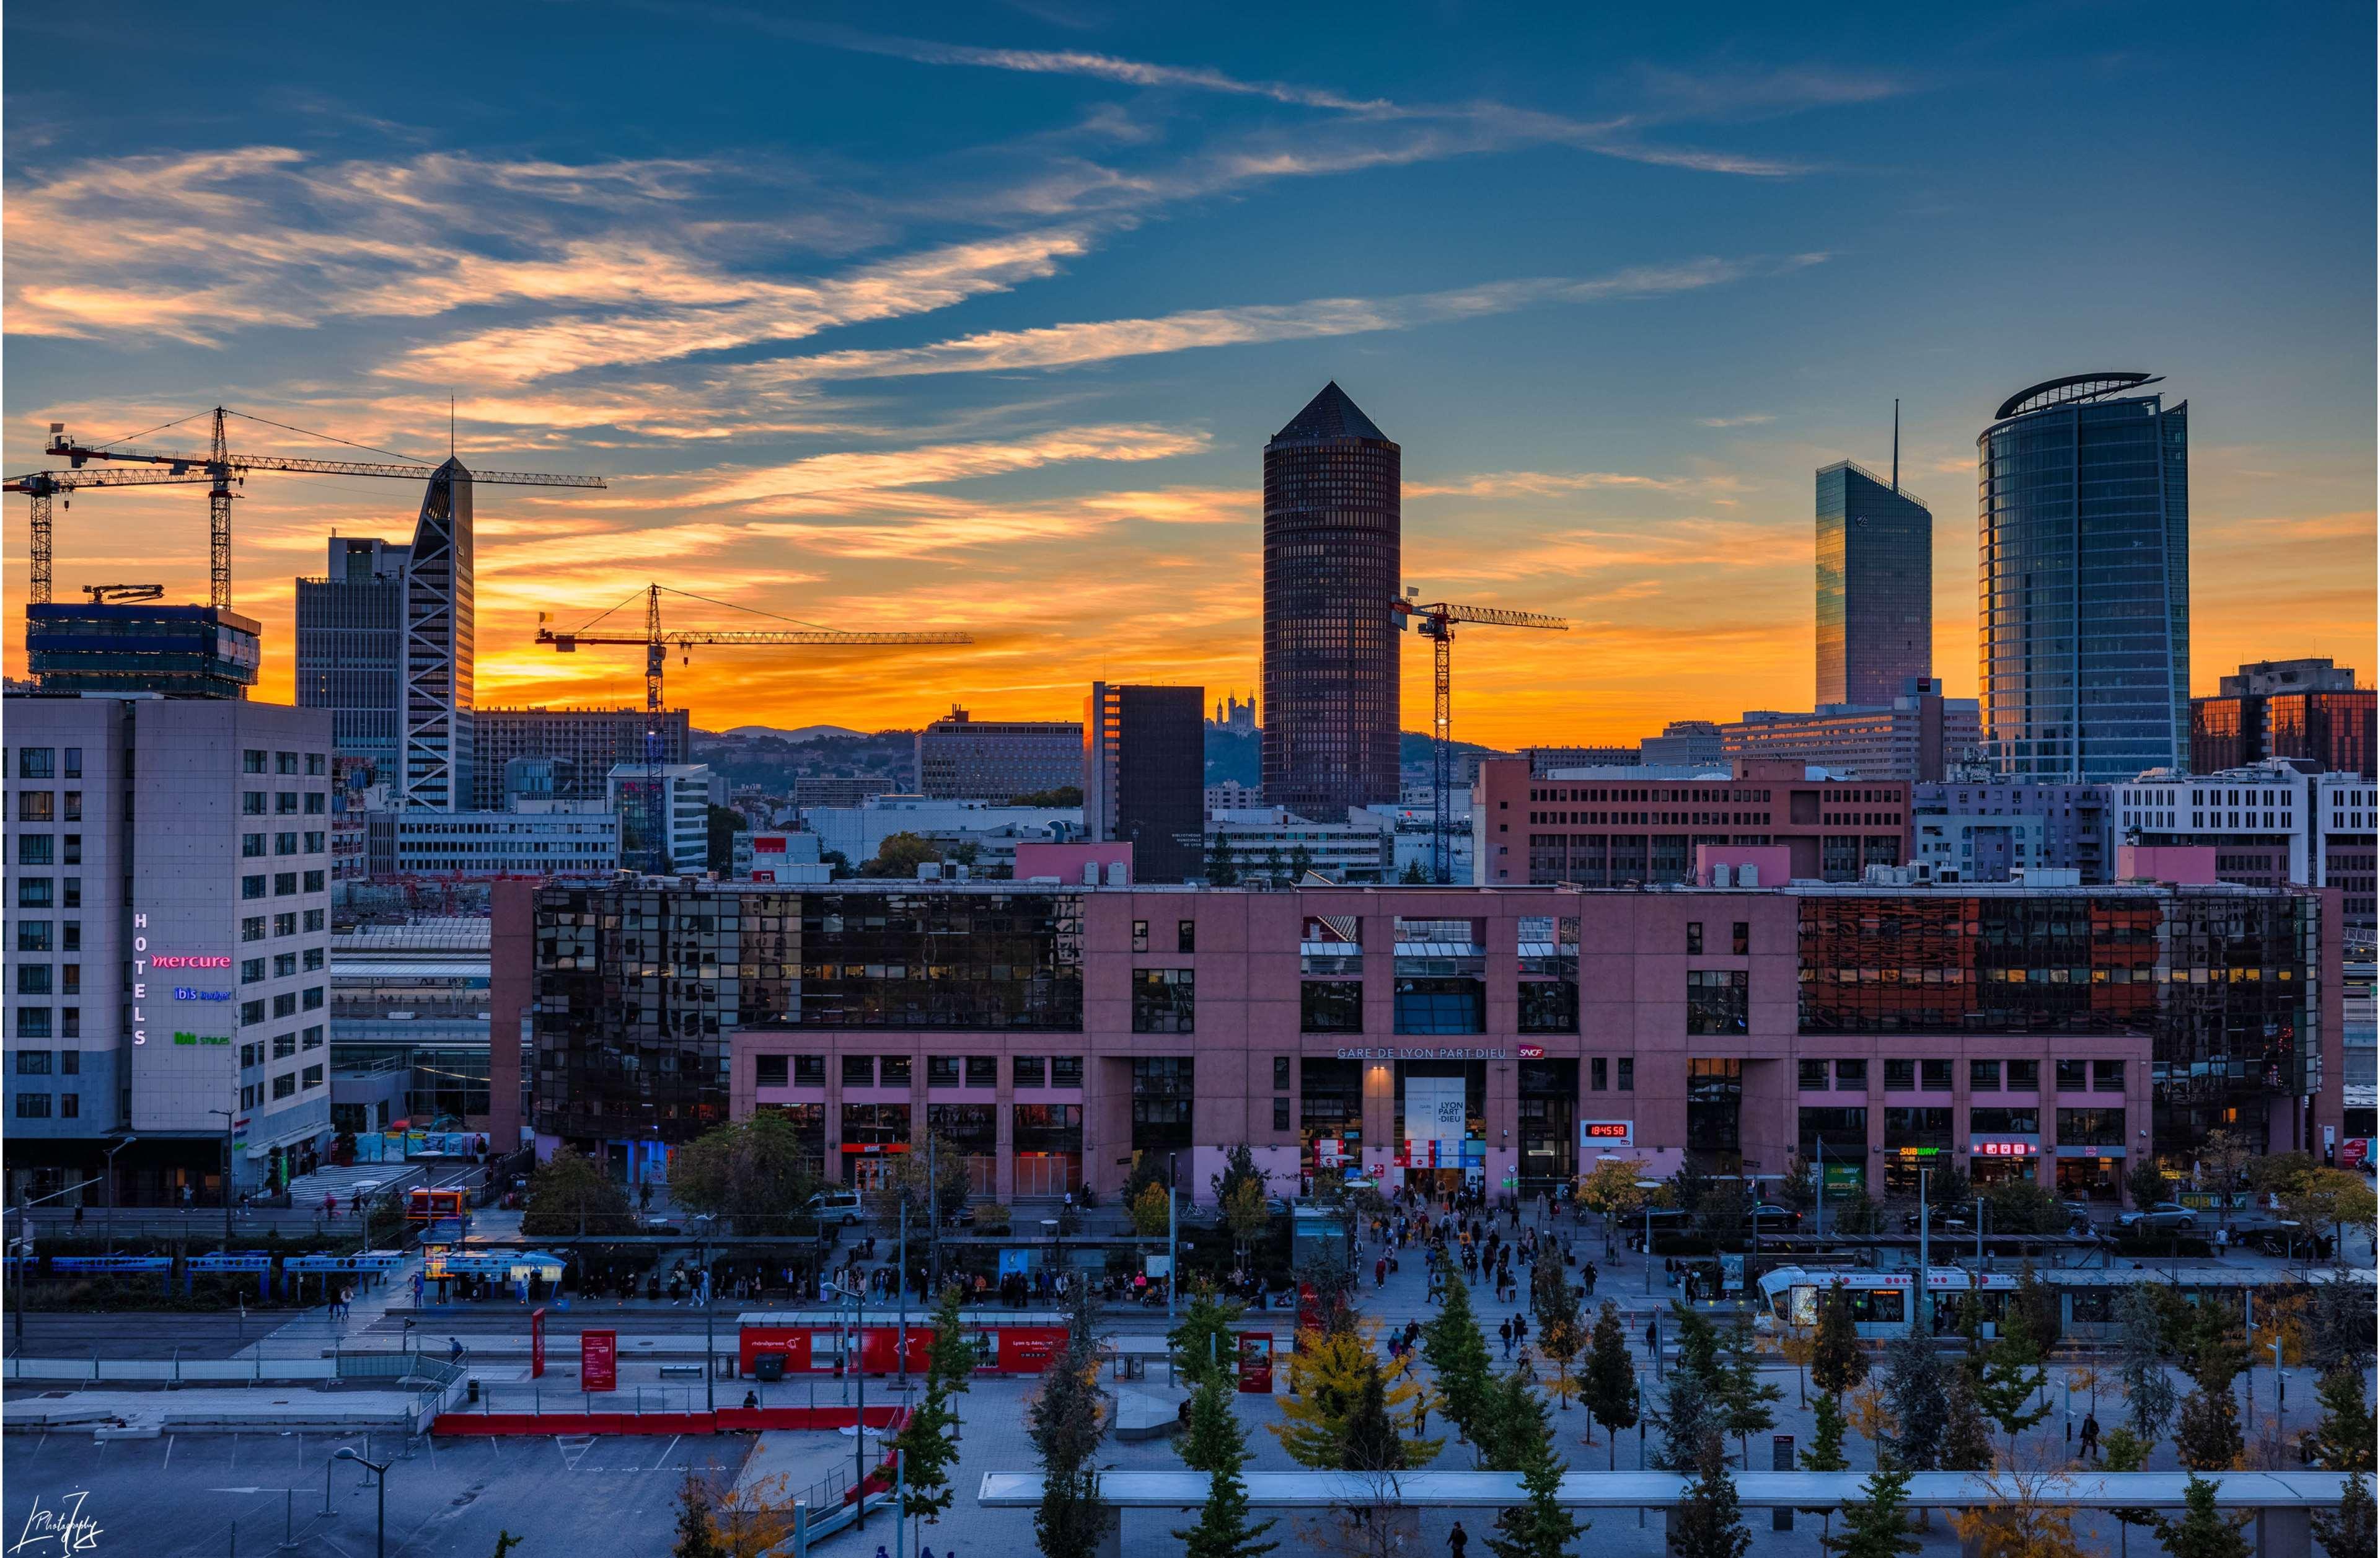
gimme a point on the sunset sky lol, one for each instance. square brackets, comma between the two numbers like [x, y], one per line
[983, 322]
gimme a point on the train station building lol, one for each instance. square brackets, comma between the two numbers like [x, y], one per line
[1500, 1036]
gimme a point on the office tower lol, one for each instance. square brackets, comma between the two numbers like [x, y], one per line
[1684, 744]
[1144, 776]
[2309, 711]
[2084, 509]
[1920, 735]
[351, 648]
[961, 758]
[1876, 587]
[435, 772]
[166, 967]
[592, 741]
[1333, 494]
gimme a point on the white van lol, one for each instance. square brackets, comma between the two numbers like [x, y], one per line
[837, 1205]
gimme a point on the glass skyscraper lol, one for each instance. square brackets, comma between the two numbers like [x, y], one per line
[1875, 588]
[351, 648]
[1333, 499]
[2083, 514]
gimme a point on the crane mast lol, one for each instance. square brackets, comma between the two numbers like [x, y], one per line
[1436, 622]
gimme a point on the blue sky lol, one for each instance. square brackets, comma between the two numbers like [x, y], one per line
[983, 322]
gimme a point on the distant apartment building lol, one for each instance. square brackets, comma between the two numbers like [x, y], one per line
[1919, 735]
[961, 758]
[592, 741]
[858, 833]
[1144, 758]
[687, 791]
[141, 648]
[1270, 844]
[1876, 587]
[841, 791]
[1615, 827]
[2063, 827]
[1682, 744]
[351, 648]
[1230, 795]
[170, 896]
[2269, 824]
[2306, 709]
[1544, 760]
[578, 840]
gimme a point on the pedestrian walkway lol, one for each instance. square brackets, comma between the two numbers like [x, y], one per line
[316, 1331]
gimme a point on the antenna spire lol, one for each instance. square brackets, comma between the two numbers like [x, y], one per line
[1896, 443]
[1896, 427]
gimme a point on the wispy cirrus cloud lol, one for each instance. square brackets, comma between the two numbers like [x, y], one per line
[789, 487]
[1750, 418]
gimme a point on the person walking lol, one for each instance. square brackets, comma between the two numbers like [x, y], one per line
[1505, 1330]
[1458, 1541]
[2091, 1435]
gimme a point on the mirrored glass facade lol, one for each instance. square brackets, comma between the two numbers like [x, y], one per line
[1875, 588]
[2083, 513]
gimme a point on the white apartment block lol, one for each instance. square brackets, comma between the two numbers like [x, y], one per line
[567, 839]
[167, 957]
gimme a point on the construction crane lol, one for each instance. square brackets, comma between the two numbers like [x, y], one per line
[222, 470]
[42, 486]
[112, 595]
[658, 644]
[1435, 623]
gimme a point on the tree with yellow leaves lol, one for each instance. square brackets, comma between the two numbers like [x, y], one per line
[2025, 1519]
[1329, 1375]
[1871, 1413]
[1611, 1191]
[1797, 1344]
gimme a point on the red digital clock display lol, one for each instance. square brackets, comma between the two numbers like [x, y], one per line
[1607, 1132]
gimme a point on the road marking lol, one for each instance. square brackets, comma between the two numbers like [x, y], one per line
[169, 1454]
[574, 1449]
[665, 1451]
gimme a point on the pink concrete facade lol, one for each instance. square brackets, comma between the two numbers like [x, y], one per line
[1067, 863]
[1613, 830]
[2181, 865]
[1634, 1056]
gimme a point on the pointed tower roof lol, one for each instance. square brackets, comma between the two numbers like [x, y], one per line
[1330, 415]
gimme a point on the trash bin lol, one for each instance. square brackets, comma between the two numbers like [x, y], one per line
[769, 1368]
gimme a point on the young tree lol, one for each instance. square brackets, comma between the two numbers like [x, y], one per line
[1458, 1352]
[900, 856]
[1965, 1441]
[926, 1439]
[1537, 1527]
[1330, 1376]
[755, 1171]
[2025, 1519]
[2343, 1440]
[1609, 1190]
[1920, 1402]
[2206, 1435]
[1150, 1211]
[2225, 1155]
[2329, 1197]
[1838, 1363]
[2011, 1377]
[1301, 860]
[1562, 1334]
[1222, 870]
[1745, 1397]
[1370, 1442]
[2340, 1324]
[571, 1194]
[2203, 1531]
[1707, 1521]
[1245, 1212]
[1214, 1444]
[1877, 1526]
[2350, 1532]
[1203, 1342]
[2144, 1184]
[2125, 1451]
[1691, 1413]
[1609, 1380]
[1067, 1421]
[695, 1539]
[1825, 1451]
[2140, 1344]
[1797, 1344]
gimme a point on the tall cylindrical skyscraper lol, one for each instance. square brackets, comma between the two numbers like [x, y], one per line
[2084, 521]
[1333, 513]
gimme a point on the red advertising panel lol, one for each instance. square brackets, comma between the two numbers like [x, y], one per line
[793, 1341]
[536, 1343]
[2353, 1150]
[599, 1360]
[1255, 1363]
[1028, 1349]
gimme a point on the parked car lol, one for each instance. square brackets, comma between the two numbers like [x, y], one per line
[837, 1205]
[2165, 1217]
[1771, 1217]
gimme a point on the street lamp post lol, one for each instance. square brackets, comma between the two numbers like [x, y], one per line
[111, 1152]
[1172, 1253]
[229, 1117]
[852, 1364]
[380, 1472]
[709, 1339]
[1648, 1187]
